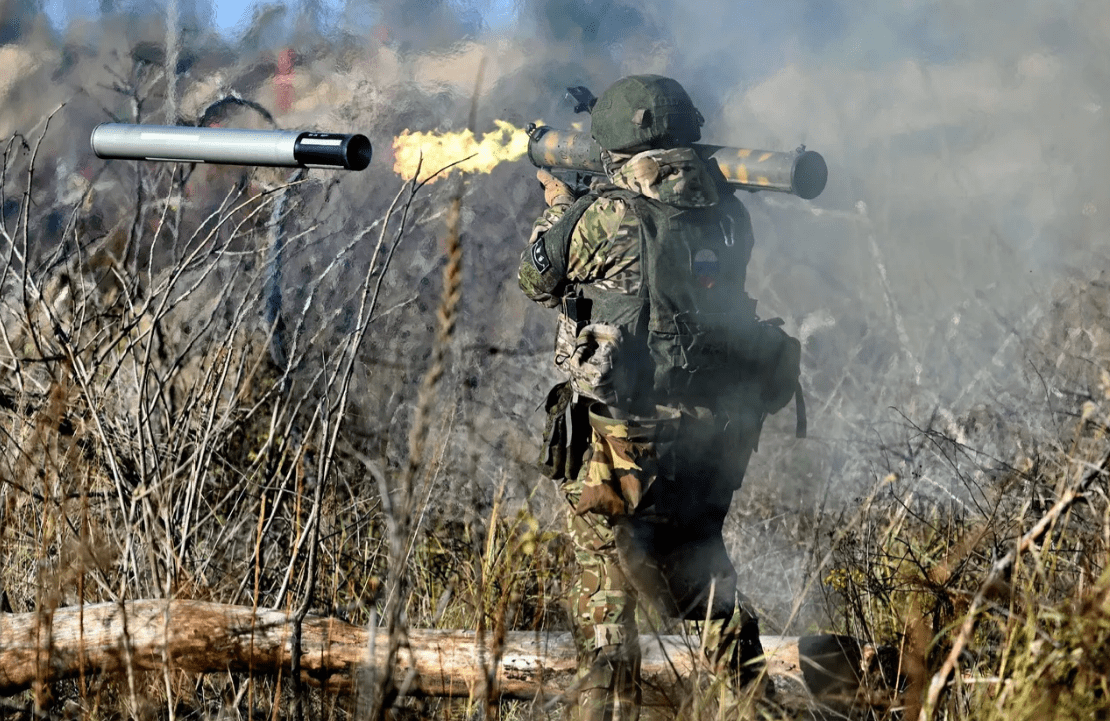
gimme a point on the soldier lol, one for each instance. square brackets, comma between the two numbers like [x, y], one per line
[671, 374]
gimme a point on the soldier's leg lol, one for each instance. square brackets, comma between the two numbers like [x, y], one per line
[733, 646]
[718, 450]
[623, 465]
[603, 603]
[604, 614]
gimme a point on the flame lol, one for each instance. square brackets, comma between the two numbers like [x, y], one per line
[438, 150]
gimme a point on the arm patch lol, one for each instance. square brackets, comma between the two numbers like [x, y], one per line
[539, 256]
[543, 265]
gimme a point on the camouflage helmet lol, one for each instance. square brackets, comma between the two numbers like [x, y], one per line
[645, 111]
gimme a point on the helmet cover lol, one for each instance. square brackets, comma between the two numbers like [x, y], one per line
[645, 111]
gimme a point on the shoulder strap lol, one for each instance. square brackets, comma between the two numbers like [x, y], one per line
[556, 241]
[800, 423]
[636, 203]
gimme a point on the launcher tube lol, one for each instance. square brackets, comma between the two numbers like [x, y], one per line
[802, 172]
[280, 148]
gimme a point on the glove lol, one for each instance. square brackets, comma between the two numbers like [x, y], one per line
[555, 191]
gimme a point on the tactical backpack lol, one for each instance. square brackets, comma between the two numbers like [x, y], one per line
[691, 334]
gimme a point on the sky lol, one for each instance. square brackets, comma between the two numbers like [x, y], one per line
[231, 15]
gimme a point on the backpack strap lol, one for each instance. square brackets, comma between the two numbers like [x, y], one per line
[550, 254]
[800, 424]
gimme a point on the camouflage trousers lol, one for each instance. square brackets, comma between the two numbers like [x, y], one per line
[628, 552]
[603, 610]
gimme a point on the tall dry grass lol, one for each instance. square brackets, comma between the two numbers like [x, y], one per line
[197, 402]
[212, 386]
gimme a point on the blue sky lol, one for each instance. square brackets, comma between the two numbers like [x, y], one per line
[231, 15]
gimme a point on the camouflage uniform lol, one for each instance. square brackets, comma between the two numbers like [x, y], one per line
[605, 248]
[651, 488]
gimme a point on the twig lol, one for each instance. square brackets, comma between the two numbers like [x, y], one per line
[998, 572]
[447, 316]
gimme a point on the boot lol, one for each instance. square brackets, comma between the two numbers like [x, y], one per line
[610, 691]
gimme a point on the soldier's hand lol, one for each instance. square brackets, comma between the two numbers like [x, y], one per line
[555, 191]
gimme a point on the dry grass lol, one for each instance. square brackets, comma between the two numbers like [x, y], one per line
[180, 419]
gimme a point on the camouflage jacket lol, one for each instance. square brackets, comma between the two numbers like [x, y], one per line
[605, 249]
[604, 246]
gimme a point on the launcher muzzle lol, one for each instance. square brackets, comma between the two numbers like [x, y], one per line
[183, 144]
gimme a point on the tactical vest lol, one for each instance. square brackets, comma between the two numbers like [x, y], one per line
[691, 334]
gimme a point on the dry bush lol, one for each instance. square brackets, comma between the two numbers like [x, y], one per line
[908, 566]
[198, 400]
[179, 420]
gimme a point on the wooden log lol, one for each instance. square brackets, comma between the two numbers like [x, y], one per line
[203, 637]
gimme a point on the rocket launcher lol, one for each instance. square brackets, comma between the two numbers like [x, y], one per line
[232, 146]
[801, 172]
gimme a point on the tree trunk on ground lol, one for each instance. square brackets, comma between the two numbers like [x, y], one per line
[203, 637]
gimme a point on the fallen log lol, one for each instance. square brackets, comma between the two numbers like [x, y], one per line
[203, 637]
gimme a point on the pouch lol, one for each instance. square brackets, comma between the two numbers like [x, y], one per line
[626, 458]
[566, 434]
[590, 357]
